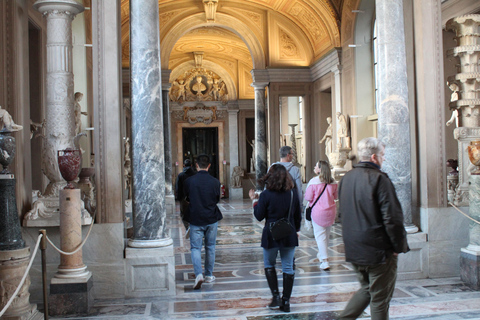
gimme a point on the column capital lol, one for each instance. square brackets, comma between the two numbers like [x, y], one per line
[259, 85]
[337, 69]
[260, 75]
[67, 6]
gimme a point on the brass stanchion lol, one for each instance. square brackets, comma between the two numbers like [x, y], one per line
[43, 248]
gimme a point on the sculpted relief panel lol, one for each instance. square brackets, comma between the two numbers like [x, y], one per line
[198, 84]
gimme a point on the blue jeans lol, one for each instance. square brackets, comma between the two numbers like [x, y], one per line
[286, 255]
[197, 233]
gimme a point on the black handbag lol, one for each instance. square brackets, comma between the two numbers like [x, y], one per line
[308, 210]
[282, 228]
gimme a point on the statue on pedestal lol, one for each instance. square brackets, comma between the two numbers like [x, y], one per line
[78, 112]
[237, 175]
[327, 137]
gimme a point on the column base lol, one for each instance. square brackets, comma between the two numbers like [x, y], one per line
[13, 264]
[150, 272]
[236, 193]
[69, 296]
[470, 267]
[170, 204]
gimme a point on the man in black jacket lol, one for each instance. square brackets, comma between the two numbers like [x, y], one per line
[203, 192]
[182, 176]
[373, 231]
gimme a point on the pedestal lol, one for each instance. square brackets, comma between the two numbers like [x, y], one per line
[470, 256]
[13, 264]
[70, 288]
[70, 296]
[236, 193]
[150, 272]
[10, 232]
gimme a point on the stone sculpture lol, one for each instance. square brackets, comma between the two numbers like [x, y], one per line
[327, 137]
[78, 112]
[237, 175]
[6, 122]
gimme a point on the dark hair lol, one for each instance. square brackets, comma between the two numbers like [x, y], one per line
[187, 163]
[284, 151]
[277, 179]
[203, 161]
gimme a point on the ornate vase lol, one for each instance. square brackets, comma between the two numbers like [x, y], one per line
[474, 155]
[7, 150]
[69, 163]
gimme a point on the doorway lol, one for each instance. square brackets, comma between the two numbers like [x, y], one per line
[201, 140]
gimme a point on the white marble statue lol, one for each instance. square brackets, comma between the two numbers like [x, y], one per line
[454, 87]
[6, 122]
[327, 137]
[453, 118]
[237, 175]
[78, 112]
[252, 159]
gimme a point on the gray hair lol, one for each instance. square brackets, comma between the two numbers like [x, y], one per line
[284, 151]
[369, 146]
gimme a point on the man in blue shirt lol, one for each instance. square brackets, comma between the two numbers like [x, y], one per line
[203, 192]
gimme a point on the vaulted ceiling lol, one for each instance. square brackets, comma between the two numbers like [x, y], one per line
[237, 36]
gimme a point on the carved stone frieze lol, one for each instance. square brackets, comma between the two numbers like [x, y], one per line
[199, 84]
[200, 113]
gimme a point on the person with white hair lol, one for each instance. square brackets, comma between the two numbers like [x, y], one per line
[373, 231]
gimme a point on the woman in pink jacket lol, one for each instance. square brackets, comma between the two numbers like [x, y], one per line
[323, 211]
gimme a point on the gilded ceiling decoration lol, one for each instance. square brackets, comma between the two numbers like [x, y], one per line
[313, 30]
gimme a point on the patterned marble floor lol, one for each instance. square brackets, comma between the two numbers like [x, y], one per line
[240, 291]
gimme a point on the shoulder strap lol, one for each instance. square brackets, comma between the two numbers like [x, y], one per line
[319, 196]
[291, 203]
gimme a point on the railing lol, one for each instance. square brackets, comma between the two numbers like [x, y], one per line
[42, 242]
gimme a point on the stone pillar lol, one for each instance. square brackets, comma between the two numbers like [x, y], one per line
[150, 265]
[70, 288]
[260, 132]
[60, 118]
[108, 115]
[13, 265]
[167, 147]
[14, 256]
[393, 111]
[465, 98]
[234, 193]
[337, 72]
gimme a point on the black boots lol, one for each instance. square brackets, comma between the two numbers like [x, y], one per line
[287, 291]
[271, 275]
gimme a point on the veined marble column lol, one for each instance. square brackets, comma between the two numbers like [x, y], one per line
[149, 259]
[167, 147]
[60, 118]
[148, 160]
[393, 112]
[260, 132]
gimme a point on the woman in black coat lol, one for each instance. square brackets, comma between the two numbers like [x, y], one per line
[273, 204]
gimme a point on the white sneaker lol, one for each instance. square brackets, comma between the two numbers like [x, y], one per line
[324, 265]
[187, 234]
[209, 279]
[198, 282]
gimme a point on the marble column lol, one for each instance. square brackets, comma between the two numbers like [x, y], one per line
[147, 127]
[150, 263]
[393, 111]
[71, 287]
[60, 118]
[465, 98]
[167, 147]
[260, 132]
[233, 109]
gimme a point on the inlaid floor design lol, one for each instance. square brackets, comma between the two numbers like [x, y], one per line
[240, 291]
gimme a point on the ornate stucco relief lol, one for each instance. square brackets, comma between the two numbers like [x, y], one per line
[198, 84]
[288, 48]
